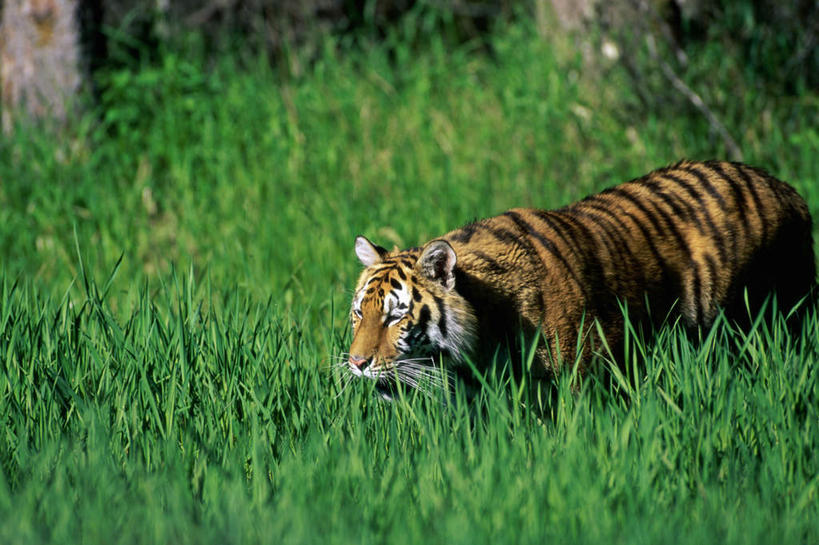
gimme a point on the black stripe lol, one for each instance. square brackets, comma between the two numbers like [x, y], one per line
[491, 264]
[423, 318]
[716, 233]
[671, 227]
[729, 225]
[749, 184]
[620, 233]
[545, 242]
[706, 183]
[621, 192]
[655, 186]
[652, 215]
[688, 211]
[613, 241]
[401, 274]
[673, 205]
[441, 315]
[690, 189]
[573, 225]
[613, 220]
[551, 220]
[396, 284]
[682, 208]
[416, 295]
[508, 237]
[603, 229]
[739, 198]
[598, 289]
[464, 234]
[639, 224]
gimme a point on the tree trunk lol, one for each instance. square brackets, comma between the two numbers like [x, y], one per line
[39, 59]
[571, 14]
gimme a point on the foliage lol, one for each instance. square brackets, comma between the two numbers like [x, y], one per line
[175, 289]
[181, 424]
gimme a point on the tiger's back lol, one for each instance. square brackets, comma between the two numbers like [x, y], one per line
[686, 239]
[693, 234]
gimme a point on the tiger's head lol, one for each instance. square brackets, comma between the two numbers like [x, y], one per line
[406, 310]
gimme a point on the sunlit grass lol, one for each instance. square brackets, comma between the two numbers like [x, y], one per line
[175, 287]
[204, 426]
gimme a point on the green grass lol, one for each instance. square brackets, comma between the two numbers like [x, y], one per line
[176, 282]
[183, 425]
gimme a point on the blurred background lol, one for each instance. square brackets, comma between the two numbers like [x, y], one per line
[247, 142]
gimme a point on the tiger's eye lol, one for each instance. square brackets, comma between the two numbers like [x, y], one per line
[394, 318]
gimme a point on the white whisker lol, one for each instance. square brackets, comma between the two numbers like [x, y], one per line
[336, 365]
[434, 375]
[410, 360]
[418, 377]
[344, 385]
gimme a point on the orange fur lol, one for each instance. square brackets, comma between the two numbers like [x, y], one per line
[685, 240]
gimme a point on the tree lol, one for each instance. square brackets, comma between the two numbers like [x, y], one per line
[39, 59]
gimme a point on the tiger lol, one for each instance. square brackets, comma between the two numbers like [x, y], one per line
[683, 242]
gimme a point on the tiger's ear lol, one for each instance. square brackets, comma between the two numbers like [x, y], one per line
[368, 253]
[437, 263]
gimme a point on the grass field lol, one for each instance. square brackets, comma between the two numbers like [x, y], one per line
[176, 279]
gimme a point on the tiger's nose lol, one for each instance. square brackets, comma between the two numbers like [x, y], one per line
[358, 362]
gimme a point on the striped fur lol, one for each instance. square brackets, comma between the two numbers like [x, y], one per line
[685, 240]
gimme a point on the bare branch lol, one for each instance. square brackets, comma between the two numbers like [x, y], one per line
[695, 99]
[206, 12]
